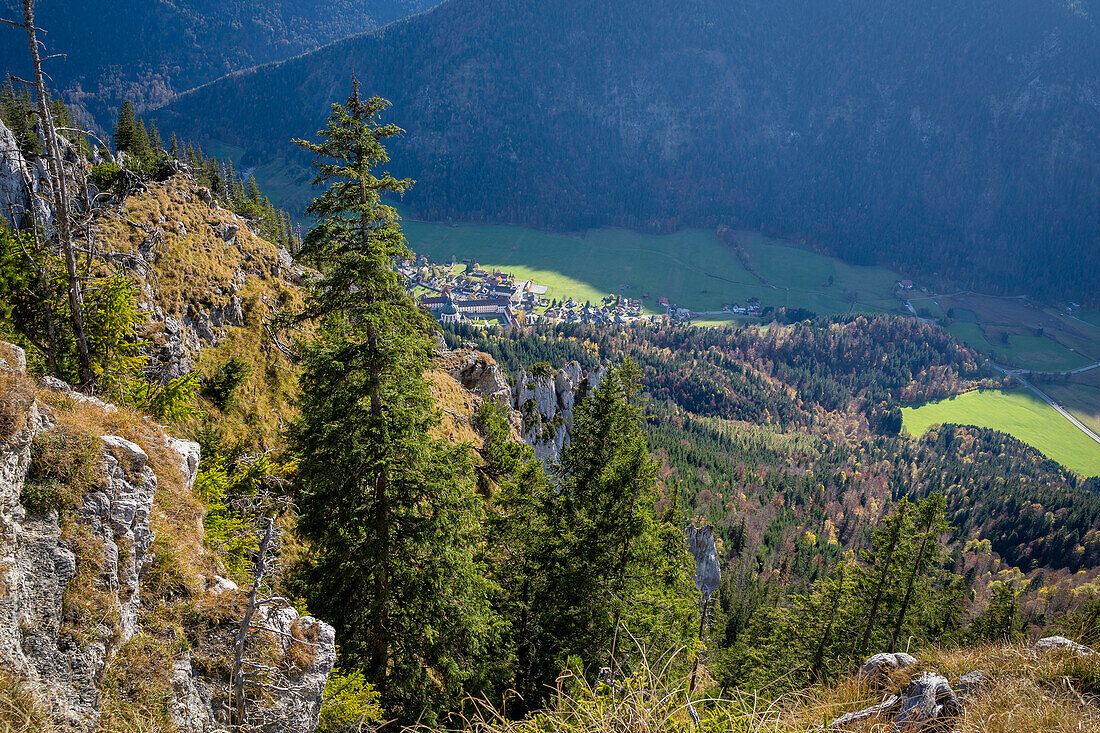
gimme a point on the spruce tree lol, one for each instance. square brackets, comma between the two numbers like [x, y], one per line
[17, 112]
[390, 514]
[613, 567]
[126, 129]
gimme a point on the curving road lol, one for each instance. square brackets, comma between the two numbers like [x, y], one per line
[1018, 375]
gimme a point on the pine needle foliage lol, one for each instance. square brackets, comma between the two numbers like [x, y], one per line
[391, 514]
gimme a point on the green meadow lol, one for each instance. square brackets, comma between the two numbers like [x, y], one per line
[1018, 413]
[692, 268]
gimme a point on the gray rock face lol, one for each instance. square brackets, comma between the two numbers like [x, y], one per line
[297, 711]
[708, 573]
[484, 377]
[546, 403]
[38, 565]
[296, 708]
[183, 337]
[64, 388]
[16, 199]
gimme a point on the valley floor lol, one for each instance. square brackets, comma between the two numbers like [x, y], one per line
[1019, 413]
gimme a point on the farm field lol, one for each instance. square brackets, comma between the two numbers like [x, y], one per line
[1018, 413]
[1080, 396]
[692, 268]
[820, 283]
[1016, 333]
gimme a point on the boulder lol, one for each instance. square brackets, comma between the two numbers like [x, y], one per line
[971, 682]
[13, 358]
[1062, 644]
[228, 233]
[882, 664]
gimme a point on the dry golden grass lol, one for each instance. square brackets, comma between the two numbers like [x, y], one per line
[188, 266]
[303, 648]
[21, 711]
[1026, 693]
[198, 271]
[16, 395]
[458, 405]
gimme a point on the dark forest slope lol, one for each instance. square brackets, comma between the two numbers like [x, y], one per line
[961, 139]
[148, 50]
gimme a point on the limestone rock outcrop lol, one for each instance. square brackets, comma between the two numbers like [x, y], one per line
[541, 402]
[197, 706]
[708, 570]
[102, 551]
[24, 184]
[480, 374]
[545, 401]
[39, 564]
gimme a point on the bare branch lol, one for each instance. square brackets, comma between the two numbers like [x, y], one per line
[20, 25]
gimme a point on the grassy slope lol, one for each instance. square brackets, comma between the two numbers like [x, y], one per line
[1017, 413]
[189, 267]
[1025, 692]
[693, 268]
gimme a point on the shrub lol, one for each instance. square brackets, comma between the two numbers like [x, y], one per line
[106, 176]
[221, 387]
[63, 468]
[350, 704]
[542, 369]
[172, 402]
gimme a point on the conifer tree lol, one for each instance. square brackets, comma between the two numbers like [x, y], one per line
[17, 111]
[929, 524]
[390, 513]
[126, 129]
[252, 189]
[156, 144]
[613, 563]
[880, 578]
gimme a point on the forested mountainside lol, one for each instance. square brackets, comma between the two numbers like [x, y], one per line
[149, 51]
[783, 443]
[951, 139]
[478, 554]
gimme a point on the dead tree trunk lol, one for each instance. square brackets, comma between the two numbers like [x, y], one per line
[61, 202]
[237, 678]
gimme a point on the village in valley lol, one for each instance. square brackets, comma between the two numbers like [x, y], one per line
[463, 292]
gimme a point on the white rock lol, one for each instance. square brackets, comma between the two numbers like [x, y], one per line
[1061, 643]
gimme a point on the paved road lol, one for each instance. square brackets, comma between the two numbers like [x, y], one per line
[1015, 372]
[1018, 375]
